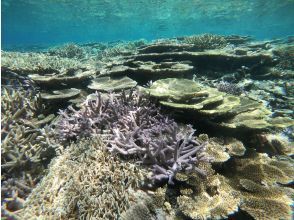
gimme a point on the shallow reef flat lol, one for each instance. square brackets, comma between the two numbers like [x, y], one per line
[193, 127]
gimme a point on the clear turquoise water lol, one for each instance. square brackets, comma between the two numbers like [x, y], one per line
[27, 22]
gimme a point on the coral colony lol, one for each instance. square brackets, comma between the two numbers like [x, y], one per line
[114, 154]
[139, 130]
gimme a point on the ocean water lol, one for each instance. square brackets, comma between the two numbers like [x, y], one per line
[147, 109]
[42, 22]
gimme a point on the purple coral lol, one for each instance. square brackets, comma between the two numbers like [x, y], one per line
[138, 130]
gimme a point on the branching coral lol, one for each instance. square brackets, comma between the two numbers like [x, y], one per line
[26, 146]
[69, 50]
[37, 63]
[85, 182]
[137, 130]
[23, 138]
[206, 41]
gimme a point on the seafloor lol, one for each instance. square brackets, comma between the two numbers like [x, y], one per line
[197, 127]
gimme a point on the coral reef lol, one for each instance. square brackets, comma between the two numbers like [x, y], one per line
[260, 168]
[119, 49]
[85, 182]
[138, 130]
[24, 63]
[273, 144]
[206, 41]
[285, 55]
[113, 150]
[69, 50]
[146, 206]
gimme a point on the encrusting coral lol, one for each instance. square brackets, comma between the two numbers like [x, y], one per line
[85, 182]
[137, 130]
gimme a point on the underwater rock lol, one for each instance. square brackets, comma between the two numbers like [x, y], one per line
[69, 78]
[84, 182]
[60, 95]
[108, 84]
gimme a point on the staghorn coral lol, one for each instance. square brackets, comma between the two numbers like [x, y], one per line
[24, 138]
[84, 182]
[137, 130]
[206, 41]
[24, 63]
[26, 146]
